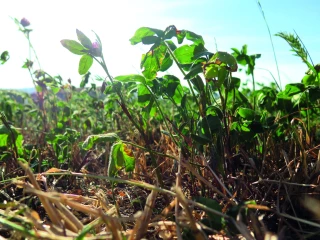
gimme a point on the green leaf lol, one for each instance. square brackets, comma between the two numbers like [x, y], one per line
[197, 39]
[198, 83]
[293, 89]
[85, 64]
[144, 95]
[128, 158]
[216, 71]
[150, 66]
[120, 156]
[85, 41]
[225, 58]
[115, 159]
[4, 57]
[311, 79]
[74, 47]
[171, 86]
[211, 124]
[246, 113]
[140, 34]
[166, 63]
[184, 54]
[151, 40]
[100, 138]
[85, 80]
[194, 70]
[131, 78]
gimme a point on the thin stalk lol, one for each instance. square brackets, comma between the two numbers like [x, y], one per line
[273, 50]
[31, 47]
[254, 91]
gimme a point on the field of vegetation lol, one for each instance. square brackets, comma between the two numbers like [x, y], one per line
[145, 156]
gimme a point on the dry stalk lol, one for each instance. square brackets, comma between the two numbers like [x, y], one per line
[141, 226]
[51, 211]
[198, 233]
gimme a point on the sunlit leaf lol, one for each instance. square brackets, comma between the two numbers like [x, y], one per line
[100, 138]
[144, 95]
[184, 54]
[246, 113]
[131, 78]
[74, 47]
[85, 63]
[140, 34]
[150, 66]
[120, 156]
[150, 40]
[85, 41]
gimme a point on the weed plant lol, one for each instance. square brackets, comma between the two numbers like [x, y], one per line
[145, 156]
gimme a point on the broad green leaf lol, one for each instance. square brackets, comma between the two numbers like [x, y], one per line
[184, 54]
[194, 70]
[311, 79]
[212, 71]
[55, 89]
[197, 39]
[166, 63]
[157, 59]
[128, 157]
[246, 113]
[236, 52]
[85, 41]
[100, 138]
[234, 83]
[3, 140]
[198, 83]
[150, 40]
[131, 78]
[84, 64]
[120, 156]
[226, 58]
[140, 34]
[85, 80]
[211, 124]
[150, 66]
[169, 84]
[172, 88]
[170, 32]
[144, 95]
[115, 159]
[74, 47]
[292, 89]
[244, 49]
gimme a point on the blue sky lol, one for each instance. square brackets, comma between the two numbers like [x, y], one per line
[224, 23]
